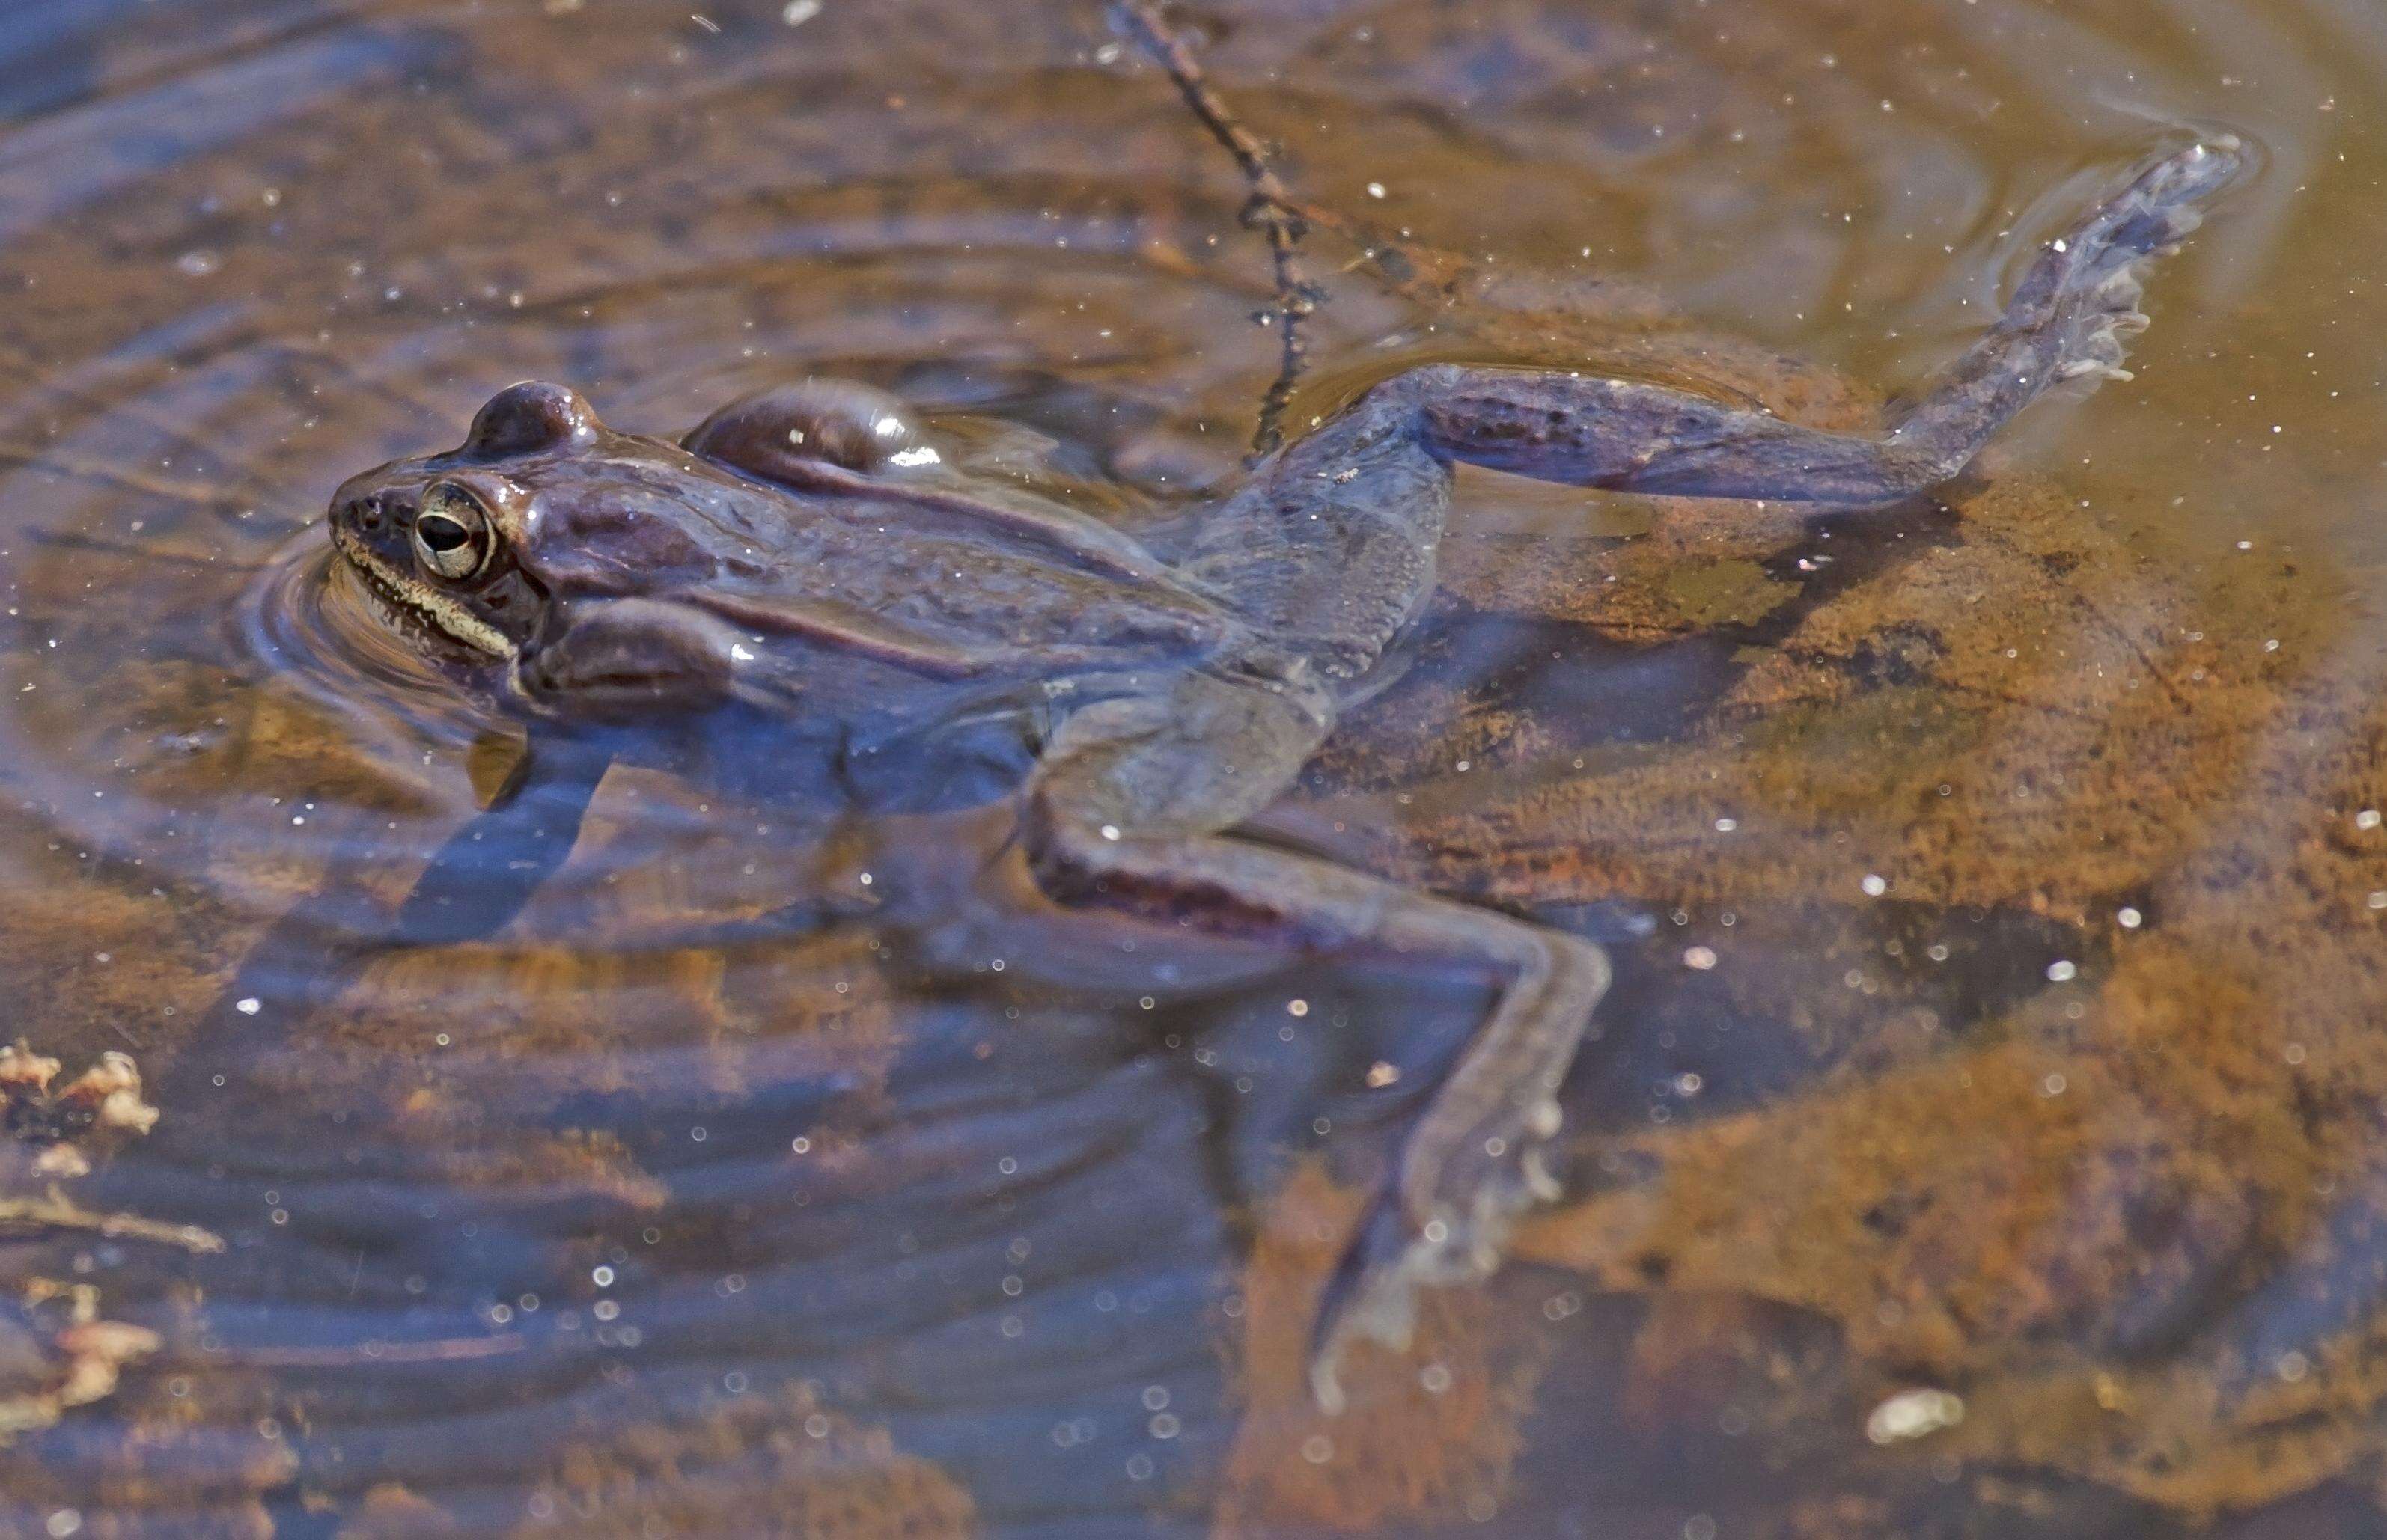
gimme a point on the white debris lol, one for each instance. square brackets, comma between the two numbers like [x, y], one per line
[1913, 1414]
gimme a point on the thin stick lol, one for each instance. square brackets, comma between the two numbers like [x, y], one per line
[1271, 209]
[58, 1212]
[450, 1350]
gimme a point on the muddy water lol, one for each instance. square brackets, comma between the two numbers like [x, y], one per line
[2000, 964]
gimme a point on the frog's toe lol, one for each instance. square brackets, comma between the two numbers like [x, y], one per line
[1372, 1298]
[1460, 1238]
[2099, 356]
[2099, 268]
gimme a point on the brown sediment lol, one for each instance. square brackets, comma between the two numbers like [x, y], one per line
[593, 1162]
[781, 1466]
[1994, 715]
[392, 1512]
[2064, 734]
[1985, 704]
[723, 1018]
[1430, 1434]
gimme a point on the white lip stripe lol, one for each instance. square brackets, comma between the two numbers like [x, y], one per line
[437, 610]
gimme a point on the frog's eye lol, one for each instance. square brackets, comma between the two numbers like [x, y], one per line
[451, 534]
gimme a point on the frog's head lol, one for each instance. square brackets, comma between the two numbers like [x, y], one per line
[548, 547]
[448, 544]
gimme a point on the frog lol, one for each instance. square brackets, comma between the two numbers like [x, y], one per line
[816, 553]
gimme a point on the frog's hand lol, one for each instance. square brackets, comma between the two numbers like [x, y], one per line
[1128, 809]
[484, 874]
[630, 658]
[2066, 323]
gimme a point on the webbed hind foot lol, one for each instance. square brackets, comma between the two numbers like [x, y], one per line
[2075, 304]
[1463, 1183]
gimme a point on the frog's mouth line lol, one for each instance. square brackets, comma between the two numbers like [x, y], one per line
[416, 604]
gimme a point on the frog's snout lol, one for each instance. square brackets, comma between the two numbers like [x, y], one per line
[369, 504]
[370, 523]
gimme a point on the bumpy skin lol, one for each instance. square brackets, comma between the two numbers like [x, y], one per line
[806, 551]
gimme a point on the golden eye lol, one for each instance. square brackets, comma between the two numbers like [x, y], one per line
[451, 534]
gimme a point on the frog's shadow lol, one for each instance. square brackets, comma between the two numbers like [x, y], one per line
[1586, 686]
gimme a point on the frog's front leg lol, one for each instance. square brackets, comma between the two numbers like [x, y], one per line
[628, 657]
[1130, 806]
[2066, 321]
[489, 869]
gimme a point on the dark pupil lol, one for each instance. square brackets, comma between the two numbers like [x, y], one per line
[441, 534]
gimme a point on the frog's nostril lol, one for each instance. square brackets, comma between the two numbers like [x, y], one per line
[368, 511]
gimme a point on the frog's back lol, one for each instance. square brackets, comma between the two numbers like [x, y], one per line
[893, 575]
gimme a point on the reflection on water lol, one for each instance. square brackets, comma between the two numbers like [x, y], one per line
[1996, 883]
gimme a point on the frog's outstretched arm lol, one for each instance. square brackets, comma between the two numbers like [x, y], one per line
[473, 887]
[2066, 321]
[490, 868]
[1128, 808]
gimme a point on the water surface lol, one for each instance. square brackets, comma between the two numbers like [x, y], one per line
[1998, 923]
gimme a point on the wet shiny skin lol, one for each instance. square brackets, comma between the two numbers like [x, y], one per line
[805, 551]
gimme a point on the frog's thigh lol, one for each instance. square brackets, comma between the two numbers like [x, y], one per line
[1127, 810]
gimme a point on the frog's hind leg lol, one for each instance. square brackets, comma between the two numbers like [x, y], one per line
[2066, 321]
[1330, 550]
[1130, 808]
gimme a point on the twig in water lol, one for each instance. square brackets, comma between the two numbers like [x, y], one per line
[1271, 210]
[57, 1211]
[444, 1351]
